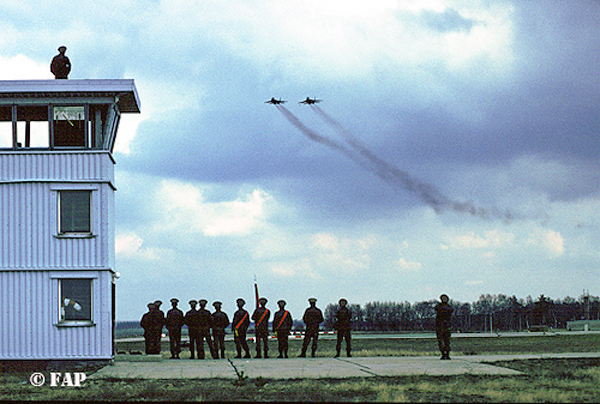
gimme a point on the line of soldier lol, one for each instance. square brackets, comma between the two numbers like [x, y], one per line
[201, 321]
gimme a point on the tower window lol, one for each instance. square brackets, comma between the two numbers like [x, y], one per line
[75, 212]
[75, 300]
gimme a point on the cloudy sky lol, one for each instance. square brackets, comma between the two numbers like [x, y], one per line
[456, 149]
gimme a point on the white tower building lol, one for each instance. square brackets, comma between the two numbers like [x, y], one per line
[57, 217]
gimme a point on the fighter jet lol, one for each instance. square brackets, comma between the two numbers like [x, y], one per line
[274, 101]
[309, 101]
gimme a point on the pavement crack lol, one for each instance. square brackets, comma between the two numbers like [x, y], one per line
[353, 363]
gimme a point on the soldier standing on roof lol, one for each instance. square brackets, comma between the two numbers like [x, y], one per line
[261, 325]
[312, 317]
[282, 324]
[220, 322]
[241, 321]
[61, 65]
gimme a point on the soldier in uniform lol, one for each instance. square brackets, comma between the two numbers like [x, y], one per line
[282, 324]
[343, 325]
[312, 317]
[160, 322]
[261, 325]
[61, 65]
[148, 323]
[220, 322]
[241, 321]
[192, 321]
[174, 322]
[205, 318]
[443, 325]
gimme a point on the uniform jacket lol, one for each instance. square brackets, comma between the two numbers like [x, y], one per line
[312, 317]
[286, 324]
[262, 326]
[175, 319]
[343, 319]
[220, 321]
[443, 316]
[241, 316]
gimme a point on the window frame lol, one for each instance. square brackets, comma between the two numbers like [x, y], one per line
[57, 279]
[94, 206]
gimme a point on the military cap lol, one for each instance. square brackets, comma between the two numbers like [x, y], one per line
[240, 300]
[193, 302]
[62, 47]
[282, 302]
[174, 300]
[202, 301]
[263, 299]
[217, 303]
[157, 303]
[343, 300]
[150, 305]
[312, 299]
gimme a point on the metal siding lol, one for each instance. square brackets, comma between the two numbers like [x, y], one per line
[28, 324]
[31, 255]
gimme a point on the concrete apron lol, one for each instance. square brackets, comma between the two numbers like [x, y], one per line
[299, 368]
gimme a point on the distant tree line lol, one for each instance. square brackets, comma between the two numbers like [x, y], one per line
[489, 313]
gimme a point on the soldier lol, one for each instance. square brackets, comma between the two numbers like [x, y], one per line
[205, 326]
[148, 323]
[192, 321]
[174, 322]
[261, 325]
[312, 317]
[160, 322]
[443, 325]
[241, 321]
[282, 324]
[220, 321]
[343, 325]
[61, 65]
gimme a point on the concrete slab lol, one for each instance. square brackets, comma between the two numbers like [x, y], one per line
[301, 368]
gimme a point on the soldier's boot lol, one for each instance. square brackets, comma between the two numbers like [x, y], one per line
[266, 353]
[337, 353]
[280, 354]
[239, 352]
[348, 354]
[258, 355]
[192, 356]
[247, 356]
[285, 354]
[312, 354]
[302, 354]
[222, 353]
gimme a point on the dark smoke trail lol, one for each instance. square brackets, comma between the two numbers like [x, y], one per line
[428, 193]
[312, 135]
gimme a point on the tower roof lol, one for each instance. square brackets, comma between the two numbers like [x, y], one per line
[123, 90]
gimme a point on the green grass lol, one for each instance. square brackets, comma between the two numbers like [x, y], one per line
[548, 380]
[551, 343]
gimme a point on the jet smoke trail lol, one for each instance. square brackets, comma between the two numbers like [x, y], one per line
[427, 192]
[387, 172]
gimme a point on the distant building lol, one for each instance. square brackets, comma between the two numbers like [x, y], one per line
[57, 216]
[583, 325]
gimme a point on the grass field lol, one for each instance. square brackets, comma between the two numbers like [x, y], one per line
[552, 343]
[549, 380]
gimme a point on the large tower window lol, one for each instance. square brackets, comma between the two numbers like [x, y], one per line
[69, 126]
